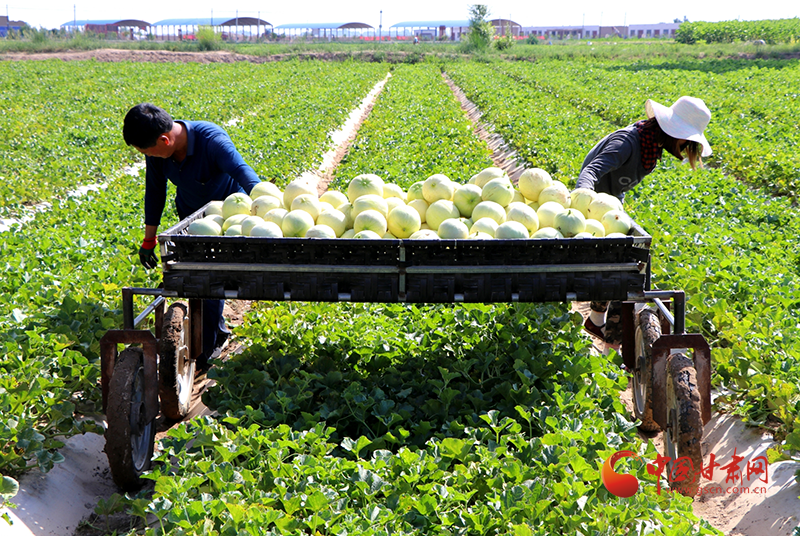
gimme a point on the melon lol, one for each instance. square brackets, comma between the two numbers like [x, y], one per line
[204, 227]
[403, 221]
[364, 184]
[511, 229]
[236, 203]
[532, 181]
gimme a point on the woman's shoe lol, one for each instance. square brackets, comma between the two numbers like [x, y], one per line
[593, 329]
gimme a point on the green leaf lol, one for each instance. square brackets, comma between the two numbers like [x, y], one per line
[355, 446]
[316, 501]
[8, 488]
[426, 505]
[457, 449]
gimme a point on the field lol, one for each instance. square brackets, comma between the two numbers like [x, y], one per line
[399, 419]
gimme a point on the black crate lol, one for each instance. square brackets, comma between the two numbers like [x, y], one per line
[419, 271]
[526, 252]
[279, 286]
[522, 287]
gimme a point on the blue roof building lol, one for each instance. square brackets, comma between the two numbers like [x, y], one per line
[7, 25]
[330, 30]
[431, 29]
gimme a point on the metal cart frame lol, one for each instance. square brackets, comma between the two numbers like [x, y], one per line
[414, 271]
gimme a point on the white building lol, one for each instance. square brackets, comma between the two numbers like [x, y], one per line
[660, 30]
[647, 31]
[575, 32]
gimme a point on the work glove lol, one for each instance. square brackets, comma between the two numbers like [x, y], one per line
[147, 254]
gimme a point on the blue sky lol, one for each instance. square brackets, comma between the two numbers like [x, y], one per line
[52, 13]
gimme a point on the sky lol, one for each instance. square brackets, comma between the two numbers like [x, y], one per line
[53, 13]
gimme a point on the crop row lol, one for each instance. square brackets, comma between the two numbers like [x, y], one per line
[753, 131]
[63, 271]
[731, 248]
[60, 123]
[729, 31]
[471, 419]
[416, 129]
[538, 126]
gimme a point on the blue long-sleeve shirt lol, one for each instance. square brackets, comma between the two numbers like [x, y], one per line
[212, 170]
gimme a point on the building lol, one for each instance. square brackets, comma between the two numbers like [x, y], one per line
[647, 31]
[109, 28]
[575, 32]
[327, 30]
[660, 30]
[237, 28]
[249, 28]
[501, 25]
[431, 30]
[7, 26]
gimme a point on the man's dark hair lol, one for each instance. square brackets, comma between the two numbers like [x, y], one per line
[144, 123]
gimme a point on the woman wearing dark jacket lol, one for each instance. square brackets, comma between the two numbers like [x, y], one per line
[623, 158]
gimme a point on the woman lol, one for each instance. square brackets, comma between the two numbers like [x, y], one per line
[622, 159]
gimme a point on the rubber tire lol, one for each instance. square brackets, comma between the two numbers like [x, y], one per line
[647, 332]
[175, 369]
[685, 435]
[128, 455]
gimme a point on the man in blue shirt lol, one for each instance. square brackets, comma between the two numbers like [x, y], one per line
[201, 160]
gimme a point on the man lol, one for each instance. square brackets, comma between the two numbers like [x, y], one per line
[201, 160]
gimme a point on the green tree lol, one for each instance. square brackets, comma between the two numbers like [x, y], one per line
[208, 39]
[506, 41]
[481, 30]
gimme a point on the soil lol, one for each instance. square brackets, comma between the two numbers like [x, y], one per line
[222, 56]
[502, 155]
[737, 506]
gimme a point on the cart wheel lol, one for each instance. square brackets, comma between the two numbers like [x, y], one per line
[647, 332]
[129, 440]
[175, 367]
[684, 425]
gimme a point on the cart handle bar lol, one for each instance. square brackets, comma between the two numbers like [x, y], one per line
[678, 319]
[678, 297]
[128, 320]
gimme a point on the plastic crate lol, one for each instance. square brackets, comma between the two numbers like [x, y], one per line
[419, 271]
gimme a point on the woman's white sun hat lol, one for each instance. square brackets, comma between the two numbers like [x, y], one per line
[684, 120]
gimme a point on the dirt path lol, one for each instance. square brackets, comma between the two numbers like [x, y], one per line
[731, 502]
[503, 156]
[345, 135]
[221, 56]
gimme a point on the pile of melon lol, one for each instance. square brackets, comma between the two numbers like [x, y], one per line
[488, 206]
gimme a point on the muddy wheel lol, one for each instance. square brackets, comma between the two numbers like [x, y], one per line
[175, 368]
[648, 331]
[684, 431]
[129, 440]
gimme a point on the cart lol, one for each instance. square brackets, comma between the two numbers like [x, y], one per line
[155, 371]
